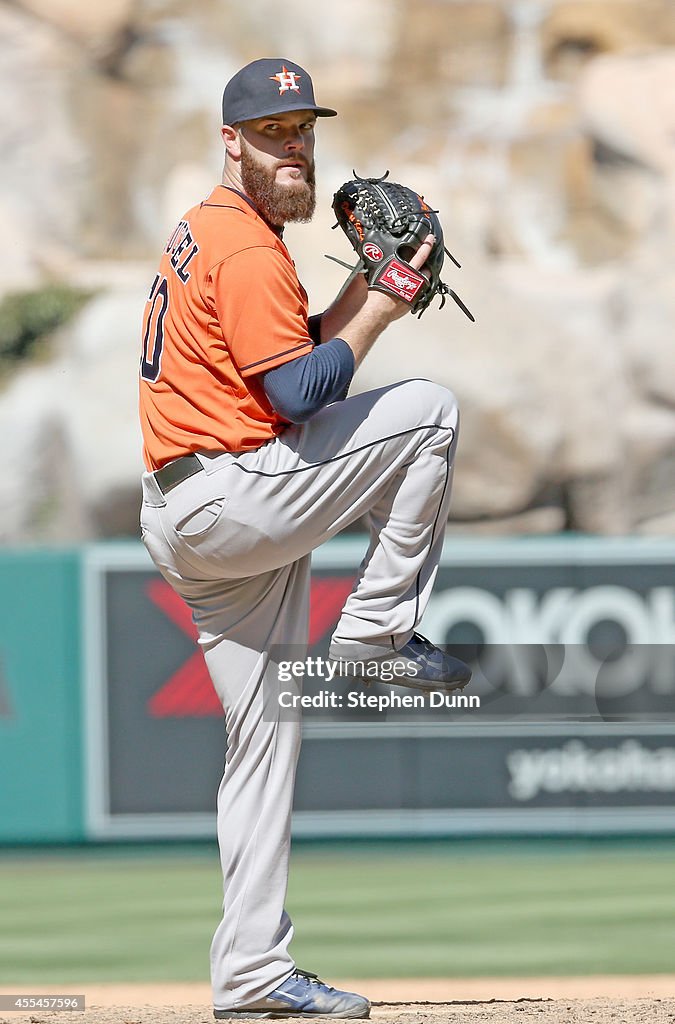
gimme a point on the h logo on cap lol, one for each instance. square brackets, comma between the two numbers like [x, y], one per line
[249, 95]
[288, 80]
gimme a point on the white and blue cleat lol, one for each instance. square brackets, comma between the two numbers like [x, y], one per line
[419, 664]
[302, 995]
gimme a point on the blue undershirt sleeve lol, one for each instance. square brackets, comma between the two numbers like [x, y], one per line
[314, 328]
[298, 389]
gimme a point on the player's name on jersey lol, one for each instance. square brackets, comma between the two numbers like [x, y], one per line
[180, 241]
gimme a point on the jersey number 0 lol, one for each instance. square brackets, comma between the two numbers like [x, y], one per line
[153, 334]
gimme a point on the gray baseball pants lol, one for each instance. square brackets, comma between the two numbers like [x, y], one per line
[235, 542]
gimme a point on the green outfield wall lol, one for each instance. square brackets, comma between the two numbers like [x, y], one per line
[41, 737]
[110, 729]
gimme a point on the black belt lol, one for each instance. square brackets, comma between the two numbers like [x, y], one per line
[175, 472]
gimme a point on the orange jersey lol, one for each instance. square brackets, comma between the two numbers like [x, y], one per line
[225, 306]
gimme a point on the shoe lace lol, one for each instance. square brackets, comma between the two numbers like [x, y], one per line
[426, 644]
[312, 978]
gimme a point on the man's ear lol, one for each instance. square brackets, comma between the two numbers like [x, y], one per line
[231, 141]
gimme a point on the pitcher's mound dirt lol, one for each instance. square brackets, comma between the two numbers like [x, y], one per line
[592, 1000]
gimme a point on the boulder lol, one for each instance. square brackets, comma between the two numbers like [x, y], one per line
[98, 405]
[650, 461]
[627, 101]
[35, 485]
[72, 472]
[86, 22]
[559, 202]
[646, 329]
[541, 386]
[40, 144]
[575, 31]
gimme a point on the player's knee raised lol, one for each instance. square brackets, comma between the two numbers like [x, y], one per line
[432, 402]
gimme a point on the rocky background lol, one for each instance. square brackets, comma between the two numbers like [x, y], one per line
[543, 131]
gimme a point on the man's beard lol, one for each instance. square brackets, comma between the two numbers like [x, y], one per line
[277, 203]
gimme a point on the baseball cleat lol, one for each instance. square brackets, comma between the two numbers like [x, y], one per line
[302, 995]
[420, 665]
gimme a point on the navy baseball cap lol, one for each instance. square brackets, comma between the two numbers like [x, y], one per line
[269, 86]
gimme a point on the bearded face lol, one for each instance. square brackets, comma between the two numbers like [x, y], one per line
[278, 203]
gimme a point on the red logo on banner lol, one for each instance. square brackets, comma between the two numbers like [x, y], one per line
[326, 599]
[189, 692]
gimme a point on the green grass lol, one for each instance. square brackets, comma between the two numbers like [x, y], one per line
[376, 910]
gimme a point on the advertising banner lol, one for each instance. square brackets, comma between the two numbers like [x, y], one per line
[568, 724]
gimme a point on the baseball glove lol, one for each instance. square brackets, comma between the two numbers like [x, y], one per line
[386, 223]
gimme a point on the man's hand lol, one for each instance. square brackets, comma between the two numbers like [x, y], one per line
[399, 307]
[352, 300]
[379, 310]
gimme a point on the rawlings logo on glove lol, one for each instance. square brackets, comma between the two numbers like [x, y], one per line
[386, 223]
[399, 278]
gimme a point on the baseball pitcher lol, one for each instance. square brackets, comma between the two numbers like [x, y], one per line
[255, 456]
